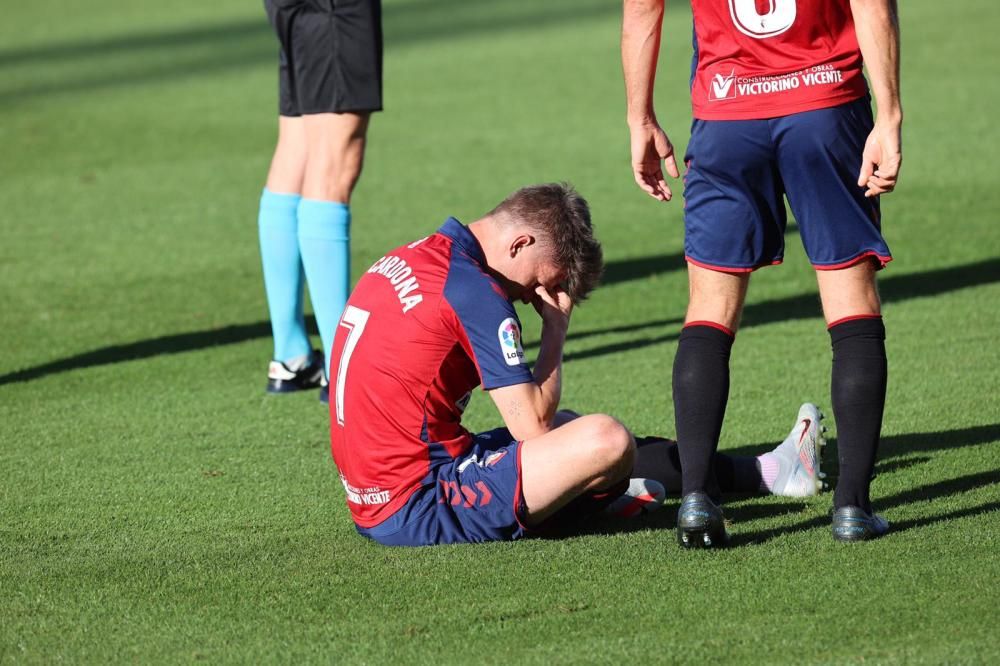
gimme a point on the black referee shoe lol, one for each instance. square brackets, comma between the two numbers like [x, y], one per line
[851, 523]
[282, 380]
[700, 523]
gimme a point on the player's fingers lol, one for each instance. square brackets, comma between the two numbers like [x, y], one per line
[875, 191]
[657, 182]
[640, 180]
[867, 169]
[876, 187]
[671, 164]
[881, 183]
[665, 192]
[563, 300]
[650, 184]
[544, 295]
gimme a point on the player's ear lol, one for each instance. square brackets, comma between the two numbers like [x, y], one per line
[520, 242]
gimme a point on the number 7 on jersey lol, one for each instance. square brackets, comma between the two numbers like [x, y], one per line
[354, 320]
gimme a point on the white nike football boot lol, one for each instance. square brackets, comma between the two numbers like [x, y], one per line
[800, 456]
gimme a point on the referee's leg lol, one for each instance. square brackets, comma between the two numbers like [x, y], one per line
[335, 146]
[279, 246]
[288, 164]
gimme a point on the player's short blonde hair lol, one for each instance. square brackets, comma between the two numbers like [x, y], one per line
[562, 219]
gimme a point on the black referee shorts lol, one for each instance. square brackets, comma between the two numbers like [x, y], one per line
[331, 55]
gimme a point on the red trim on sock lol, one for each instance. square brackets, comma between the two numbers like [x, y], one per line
[711, 324]
[852, 318]
[871, 254]
[729, 269]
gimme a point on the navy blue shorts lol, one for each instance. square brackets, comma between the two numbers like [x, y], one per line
[475, 498]
[739, 171]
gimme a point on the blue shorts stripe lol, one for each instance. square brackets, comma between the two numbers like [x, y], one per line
[470, 499]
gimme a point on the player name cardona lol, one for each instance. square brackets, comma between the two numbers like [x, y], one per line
[401, 277]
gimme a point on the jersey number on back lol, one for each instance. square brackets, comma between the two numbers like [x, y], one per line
[750, 22]
[354, 321]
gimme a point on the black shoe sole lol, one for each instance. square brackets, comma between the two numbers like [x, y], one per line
[702, 538]
[851, 534]
[705, 529]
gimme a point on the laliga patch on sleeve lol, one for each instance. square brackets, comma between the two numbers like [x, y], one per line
[510, 341]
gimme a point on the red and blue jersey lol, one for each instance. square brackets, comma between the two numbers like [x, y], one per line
[758, 59]
[425, 325]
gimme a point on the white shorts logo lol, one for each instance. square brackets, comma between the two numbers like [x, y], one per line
[752, 23]
[509, 335]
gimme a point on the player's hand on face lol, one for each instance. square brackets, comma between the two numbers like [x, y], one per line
[881, 160]
[650, 148]
[552, 304]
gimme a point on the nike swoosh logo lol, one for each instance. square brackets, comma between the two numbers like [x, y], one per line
[805, 431]
[805, 459]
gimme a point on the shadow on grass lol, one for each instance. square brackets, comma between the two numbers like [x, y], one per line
[895, 451]
[894, 288]
[929, 492]
[901, 445]
[626, 270]
[641, 268]
[156, 56]
[168, 344]
[896, 446]
[626, 328]
[898, 464]
[665, 519]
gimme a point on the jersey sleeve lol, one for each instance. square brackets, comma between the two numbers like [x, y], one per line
[487, 327]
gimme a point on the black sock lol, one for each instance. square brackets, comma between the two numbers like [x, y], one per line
[738, 474]
[857, 390]
[657, 459]
[701, 390]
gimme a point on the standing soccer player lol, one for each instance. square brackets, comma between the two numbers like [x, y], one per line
[330, 81]
[781, 108]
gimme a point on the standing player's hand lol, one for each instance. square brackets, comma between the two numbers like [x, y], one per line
[553, 306]
[881, 159]
[650, 147]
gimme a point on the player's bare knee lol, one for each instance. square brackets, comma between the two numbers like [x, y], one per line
[611, 444]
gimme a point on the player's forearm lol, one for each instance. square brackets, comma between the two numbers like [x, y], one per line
[528, 409]
[877, 25]
[641, 23]
[548, 370]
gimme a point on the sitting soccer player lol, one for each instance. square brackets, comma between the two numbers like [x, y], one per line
[432, 320]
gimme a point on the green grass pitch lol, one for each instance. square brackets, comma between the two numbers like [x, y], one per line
[156, 506]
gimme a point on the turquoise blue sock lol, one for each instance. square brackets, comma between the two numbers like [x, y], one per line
[279, 251]
[325, 244]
